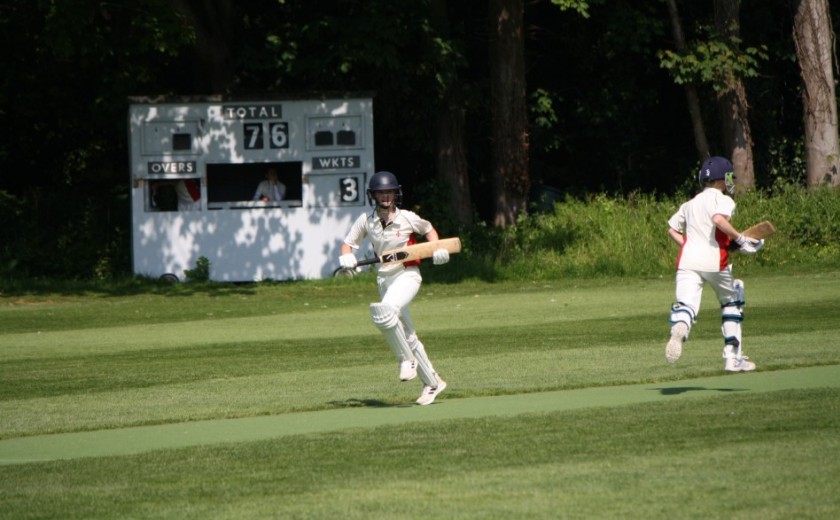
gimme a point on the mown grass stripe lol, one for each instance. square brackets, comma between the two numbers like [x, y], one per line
[135, 440]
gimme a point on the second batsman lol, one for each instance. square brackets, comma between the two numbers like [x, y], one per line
[702, 230]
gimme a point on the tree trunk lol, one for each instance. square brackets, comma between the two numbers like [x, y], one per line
[692, 101]
[451, 154]
[452, 161]
[732, 101]
[509, 151]
[814, 39]
[213, 66]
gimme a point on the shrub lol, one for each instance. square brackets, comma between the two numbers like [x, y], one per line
[616, 236]
[201, 272]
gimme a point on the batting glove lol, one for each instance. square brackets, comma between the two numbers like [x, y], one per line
[748, 245]
[440, 256]
[348, 261]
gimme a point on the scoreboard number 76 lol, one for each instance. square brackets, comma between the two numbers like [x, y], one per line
[278, 133]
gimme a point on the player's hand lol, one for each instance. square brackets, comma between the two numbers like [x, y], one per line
[348, 261]
[748, 245]
[440, 256]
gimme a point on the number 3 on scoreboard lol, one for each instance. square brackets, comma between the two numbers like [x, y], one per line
[348, 187]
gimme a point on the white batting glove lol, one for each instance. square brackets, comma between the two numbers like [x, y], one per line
[440, 256]
[348, 261]
[748, 245]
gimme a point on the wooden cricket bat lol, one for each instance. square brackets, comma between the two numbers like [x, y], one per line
[415, 252]
[760, 231]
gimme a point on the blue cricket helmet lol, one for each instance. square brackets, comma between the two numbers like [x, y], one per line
[384, 180]
[713, 169]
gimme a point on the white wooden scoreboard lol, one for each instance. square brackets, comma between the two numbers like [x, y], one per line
[218, 152]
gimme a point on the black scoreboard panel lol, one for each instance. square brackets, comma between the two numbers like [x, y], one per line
[238, 182]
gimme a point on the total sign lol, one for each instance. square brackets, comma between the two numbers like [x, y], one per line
[261, 189]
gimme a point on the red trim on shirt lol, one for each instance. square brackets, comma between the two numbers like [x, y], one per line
[412, 239]
[723, 241]
[679, 255]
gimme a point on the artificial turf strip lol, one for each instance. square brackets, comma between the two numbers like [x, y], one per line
[128, 441]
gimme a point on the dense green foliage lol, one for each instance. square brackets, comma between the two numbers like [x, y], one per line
[605, 114]
[627, 236]
[600, 236]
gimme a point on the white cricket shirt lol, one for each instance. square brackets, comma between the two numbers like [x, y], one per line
[401, 231]
[705, 246]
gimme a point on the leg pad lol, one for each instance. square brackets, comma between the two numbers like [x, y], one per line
[384, 316]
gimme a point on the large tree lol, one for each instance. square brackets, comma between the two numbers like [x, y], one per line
[509, 131]
[212, 62]
[814, 39]
[732, 98]
[451, 153]
[718, 60]
[691, 97]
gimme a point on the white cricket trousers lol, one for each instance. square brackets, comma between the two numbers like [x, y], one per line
[399, 289]
[690, 287]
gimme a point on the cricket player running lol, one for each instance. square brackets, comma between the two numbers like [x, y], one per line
[389, 227]
[702, 230]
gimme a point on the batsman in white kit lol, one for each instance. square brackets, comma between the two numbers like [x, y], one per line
[702, 229]
[388, 227]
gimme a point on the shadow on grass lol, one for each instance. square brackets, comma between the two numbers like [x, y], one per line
[677, 390]
[365, 403]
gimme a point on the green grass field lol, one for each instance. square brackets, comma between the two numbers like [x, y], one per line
[282, 401]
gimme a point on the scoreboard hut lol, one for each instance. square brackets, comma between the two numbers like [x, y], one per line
[219, 151]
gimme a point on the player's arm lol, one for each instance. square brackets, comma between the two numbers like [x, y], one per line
[351, 243]
[440, 256]
[676, 225]
[722, 223]
[432, 235]
[347, 259]
[746, 244]
[676, 236]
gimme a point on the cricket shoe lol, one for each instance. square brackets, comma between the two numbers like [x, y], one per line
[743, 364]
[408, 370]
[673, 349]
[431, 392]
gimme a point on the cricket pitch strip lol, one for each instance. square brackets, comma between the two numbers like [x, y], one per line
[130, 441]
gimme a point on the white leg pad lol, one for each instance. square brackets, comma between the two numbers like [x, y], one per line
[731, 316]
[740, 293]
[682, 313]
[387, 319]
[424, 366]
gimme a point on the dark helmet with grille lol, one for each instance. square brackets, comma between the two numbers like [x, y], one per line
[382, 181]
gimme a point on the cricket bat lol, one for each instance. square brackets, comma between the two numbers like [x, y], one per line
[760, 231]
[414, 252]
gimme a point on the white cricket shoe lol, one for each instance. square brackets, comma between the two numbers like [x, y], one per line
[673, 349]
[408, 370]
[743, 364]
[431, 392]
